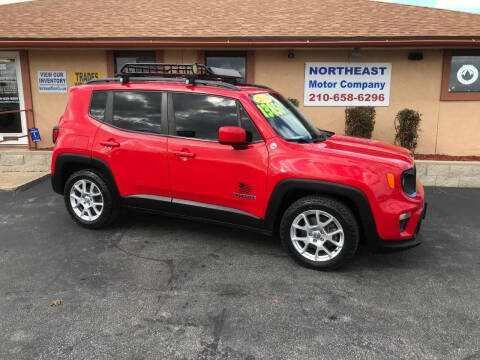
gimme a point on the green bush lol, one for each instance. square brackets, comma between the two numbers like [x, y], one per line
[360, 121]
[406, 127]
[294, 101]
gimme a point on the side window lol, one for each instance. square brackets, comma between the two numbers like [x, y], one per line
[137, 111]
[200, 116]
[253, 135]
[97, 105]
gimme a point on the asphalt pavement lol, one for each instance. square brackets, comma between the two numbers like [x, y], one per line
[153, 287]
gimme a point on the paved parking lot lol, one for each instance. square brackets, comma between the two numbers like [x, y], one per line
[159, 288]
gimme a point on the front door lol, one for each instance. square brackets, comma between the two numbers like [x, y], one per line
[204, 172]
[12, 117]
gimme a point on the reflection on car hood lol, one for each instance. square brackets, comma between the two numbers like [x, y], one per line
[368, 147]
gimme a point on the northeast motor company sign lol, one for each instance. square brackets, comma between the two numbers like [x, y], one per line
[347, 84]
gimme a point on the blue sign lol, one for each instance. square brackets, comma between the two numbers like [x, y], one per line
[35, 135]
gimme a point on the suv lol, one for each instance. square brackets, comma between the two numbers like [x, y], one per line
[187, 141]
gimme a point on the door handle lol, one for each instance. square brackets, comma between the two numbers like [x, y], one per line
[184, 154]
[110, 143]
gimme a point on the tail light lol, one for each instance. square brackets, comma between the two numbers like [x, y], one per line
[55, 133]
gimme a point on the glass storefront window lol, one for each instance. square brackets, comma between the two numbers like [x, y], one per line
[461, 75]
[10, 123]
[126, 57]
[464, 72]
[229, 60]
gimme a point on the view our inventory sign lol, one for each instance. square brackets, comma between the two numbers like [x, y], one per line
[347, 84]
[52, 81]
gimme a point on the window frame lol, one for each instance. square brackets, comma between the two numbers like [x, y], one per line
[130, 53]
[231, 54]
[105, 108]
[108, 117]
[445, 95]
[172, 124]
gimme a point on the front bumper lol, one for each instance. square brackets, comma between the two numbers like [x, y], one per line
[415, 240]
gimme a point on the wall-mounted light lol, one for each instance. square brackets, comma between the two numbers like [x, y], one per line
[291, 54]
[356, 54]
[415, 56]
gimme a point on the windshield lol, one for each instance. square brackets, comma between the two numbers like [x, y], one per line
[284, 118]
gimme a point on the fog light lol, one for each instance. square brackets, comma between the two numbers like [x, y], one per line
[403, 218]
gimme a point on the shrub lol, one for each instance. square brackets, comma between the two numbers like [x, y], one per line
[360, 121]
[406, 127]
[294, 101]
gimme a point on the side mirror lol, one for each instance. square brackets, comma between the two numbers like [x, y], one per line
[233, 135]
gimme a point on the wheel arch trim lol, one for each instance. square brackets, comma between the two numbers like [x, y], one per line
[64, 160]
[358, 199]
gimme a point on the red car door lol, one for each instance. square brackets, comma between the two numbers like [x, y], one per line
[132, 142]
[205, 172]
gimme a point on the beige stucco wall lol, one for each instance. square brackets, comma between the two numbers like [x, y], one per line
[182, 56]
[459, 128]
[48, 107]
[414, 84]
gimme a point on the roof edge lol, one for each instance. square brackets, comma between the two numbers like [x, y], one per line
[297, 42]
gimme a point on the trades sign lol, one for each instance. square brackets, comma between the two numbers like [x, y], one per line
[81, 77]
[347, 84]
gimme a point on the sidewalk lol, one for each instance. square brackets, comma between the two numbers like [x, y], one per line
[16, 179]
[21, 167]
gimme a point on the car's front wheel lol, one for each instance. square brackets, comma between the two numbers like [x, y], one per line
[319, 232]
[89, 200]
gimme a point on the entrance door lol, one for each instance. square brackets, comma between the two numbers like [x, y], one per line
[12, 120]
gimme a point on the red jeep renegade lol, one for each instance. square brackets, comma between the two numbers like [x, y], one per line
[190, 141]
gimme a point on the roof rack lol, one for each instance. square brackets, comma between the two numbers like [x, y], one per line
[190, 74]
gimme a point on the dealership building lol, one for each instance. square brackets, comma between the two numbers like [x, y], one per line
[328, 55]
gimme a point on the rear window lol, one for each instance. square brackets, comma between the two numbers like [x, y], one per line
[98, 104]
[137, 111]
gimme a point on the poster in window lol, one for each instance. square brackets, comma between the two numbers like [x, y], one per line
[464, 73]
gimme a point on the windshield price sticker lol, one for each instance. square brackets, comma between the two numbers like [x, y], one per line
[347, 84]
[270, 109]
[262, 99]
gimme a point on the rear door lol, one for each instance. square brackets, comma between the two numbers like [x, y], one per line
[132, 140]
[205, 173]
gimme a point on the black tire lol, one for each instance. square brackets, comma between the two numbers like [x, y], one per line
[333, 207]
[109, 212]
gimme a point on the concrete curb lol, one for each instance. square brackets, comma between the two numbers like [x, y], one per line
[31, 184]
[27, 185]
[25, 160]
[464, 174]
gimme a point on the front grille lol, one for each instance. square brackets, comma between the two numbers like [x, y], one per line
[409, 182]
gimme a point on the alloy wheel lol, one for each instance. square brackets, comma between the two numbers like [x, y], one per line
[317, 235]
[86, 200]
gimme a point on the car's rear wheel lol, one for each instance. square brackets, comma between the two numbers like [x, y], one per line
[319, 232]
[89, 200]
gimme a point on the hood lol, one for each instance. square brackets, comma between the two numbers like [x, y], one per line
[368, 147]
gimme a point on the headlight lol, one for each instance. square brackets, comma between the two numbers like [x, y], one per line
[409, 182]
